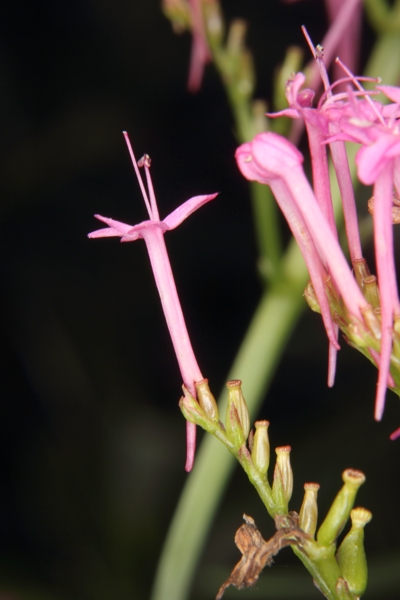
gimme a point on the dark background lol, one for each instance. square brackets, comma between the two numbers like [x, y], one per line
[92, 442]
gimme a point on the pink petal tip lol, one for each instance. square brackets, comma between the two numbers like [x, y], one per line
[395, 434]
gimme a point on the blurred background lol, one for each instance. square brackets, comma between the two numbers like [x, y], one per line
[92, 443]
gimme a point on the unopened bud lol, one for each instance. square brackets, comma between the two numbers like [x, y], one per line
[351, 554]
[282, 486]
[372, 321]
[335, 302]
[311, 298]
[361, 271]
[214, 23]
[309, 509]
[260, 452]
[177, 11]
[339, 512]
[207, 400]
[371, 291]
[237, 415]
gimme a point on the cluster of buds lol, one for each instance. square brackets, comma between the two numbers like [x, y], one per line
[343, 569]
[251, 447]
[365, 308]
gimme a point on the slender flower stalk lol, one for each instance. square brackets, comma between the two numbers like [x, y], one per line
[152, 231]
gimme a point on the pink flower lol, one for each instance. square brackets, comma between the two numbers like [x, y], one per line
[273, 160]
[321, 123]
[152, 231]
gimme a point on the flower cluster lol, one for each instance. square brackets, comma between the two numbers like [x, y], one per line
[366, 309]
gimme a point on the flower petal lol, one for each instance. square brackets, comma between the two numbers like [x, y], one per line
[187, 208]
[116, 228]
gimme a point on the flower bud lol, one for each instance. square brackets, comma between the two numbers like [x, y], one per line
[371, 291]
[260, 451]
[177, 11]
[309, 509]
[339, 512]
[311, 298]
[207, 400]
[214, 23]
[361, 271]
[282, 486]
[237, 415]
[351, 554]
[191, 409]
[372, 321]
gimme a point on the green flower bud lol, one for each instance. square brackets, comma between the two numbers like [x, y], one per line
[260, 451]
[309, 509]
[177, 11]
[237, 415]
[214, 23]
[351, 554]
[191, 409]
[282, 486]
[311, 298]
[339, 512]
[361, 271]
[207, 400]
[372, 321]
[371, 291]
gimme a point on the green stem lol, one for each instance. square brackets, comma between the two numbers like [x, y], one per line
[267, 230]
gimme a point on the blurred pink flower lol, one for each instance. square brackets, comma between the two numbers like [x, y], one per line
[200, 54]
[152, 231]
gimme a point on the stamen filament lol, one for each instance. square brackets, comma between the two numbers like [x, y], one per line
[135, 166]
